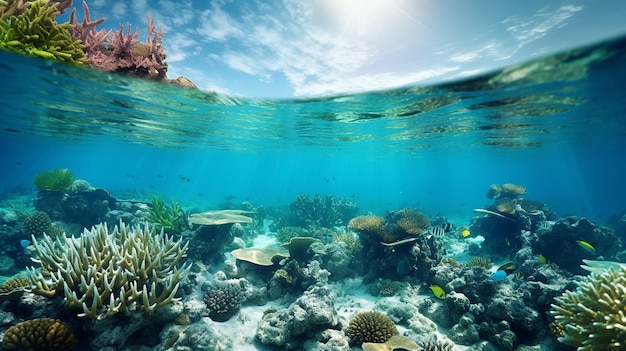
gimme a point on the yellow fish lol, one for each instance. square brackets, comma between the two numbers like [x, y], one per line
[542, 259]
[587, 246]
[438, 292]
[465, 233]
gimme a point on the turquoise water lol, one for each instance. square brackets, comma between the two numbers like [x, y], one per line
[555, 125]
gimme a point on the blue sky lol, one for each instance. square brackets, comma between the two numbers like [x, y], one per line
[297, 48]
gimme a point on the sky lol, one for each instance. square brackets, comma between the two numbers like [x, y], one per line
[300, 49]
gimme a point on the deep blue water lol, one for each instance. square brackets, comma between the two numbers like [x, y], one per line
[556, 125]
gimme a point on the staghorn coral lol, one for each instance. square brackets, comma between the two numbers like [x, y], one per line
[39, 335]
[370, 326]
[223, 299]
[434, 344]
[102, 272]
[59, 179]
[479, 262]
[32, 29]
[37, 223]
[593, 316]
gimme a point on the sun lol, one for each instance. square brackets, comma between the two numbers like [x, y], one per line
[364, 19]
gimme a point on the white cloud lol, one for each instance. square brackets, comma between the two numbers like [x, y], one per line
[465, 57]
[543, 22]
[217, 25]
[119, 9]
[178, 45]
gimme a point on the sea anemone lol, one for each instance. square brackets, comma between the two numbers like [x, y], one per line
[479, 262]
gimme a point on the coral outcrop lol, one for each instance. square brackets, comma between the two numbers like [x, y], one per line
[372, 326]
[224, 298]
[110, 272]
[36, 223]
[593, 315]
[312, 312]
[39, 335]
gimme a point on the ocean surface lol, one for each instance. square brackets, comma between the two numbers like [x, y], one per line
[556, 125]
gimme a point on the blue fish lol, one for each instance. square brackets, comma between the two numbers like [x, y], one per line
[498, 275]
[25, 243]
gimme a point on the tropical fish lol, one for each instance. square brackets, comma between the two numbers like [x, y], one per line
[465, 233]
[498, 275]
[438, 292]
[542, 259]
[25, 243]
[437, 231]
[587, 246]
[508, 268]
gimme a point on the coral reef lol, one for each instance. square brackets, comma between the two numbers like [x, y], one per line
[102, 272]
[59, 179]
[593, 315]
[30, 27]
[37, 223]
[40, 334]
[170, 218]
[434, 344]
[320, 211]
[373, 226]
[370, 326]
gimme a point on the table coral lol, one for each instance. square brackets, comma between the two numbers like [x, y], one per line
[594, 315]
[102, 272]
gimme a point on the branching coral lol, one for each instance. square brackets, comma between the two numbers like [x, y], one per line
[320, 211]
[370, 326]
[119, 51]
[40, 334]
[58, 179]
[98, 271]
[594, 315]
[34, 31]
[480, 262]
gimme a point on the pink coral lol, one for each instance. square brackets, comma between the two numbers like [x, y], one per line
[119, 51]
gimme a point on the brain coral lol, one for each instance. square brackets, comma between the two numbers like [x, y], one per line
[370, 327]
[102, 272]
[37, 223]
[594, 315]
[40, 334]
[223, 299]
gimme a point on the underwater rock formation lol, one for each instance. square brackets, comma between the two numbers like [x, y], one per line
[566, 234]
[312, 312]
[84, 207]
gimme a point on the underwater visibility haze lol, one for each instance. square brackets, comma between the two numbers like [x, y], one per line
[458, 161]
